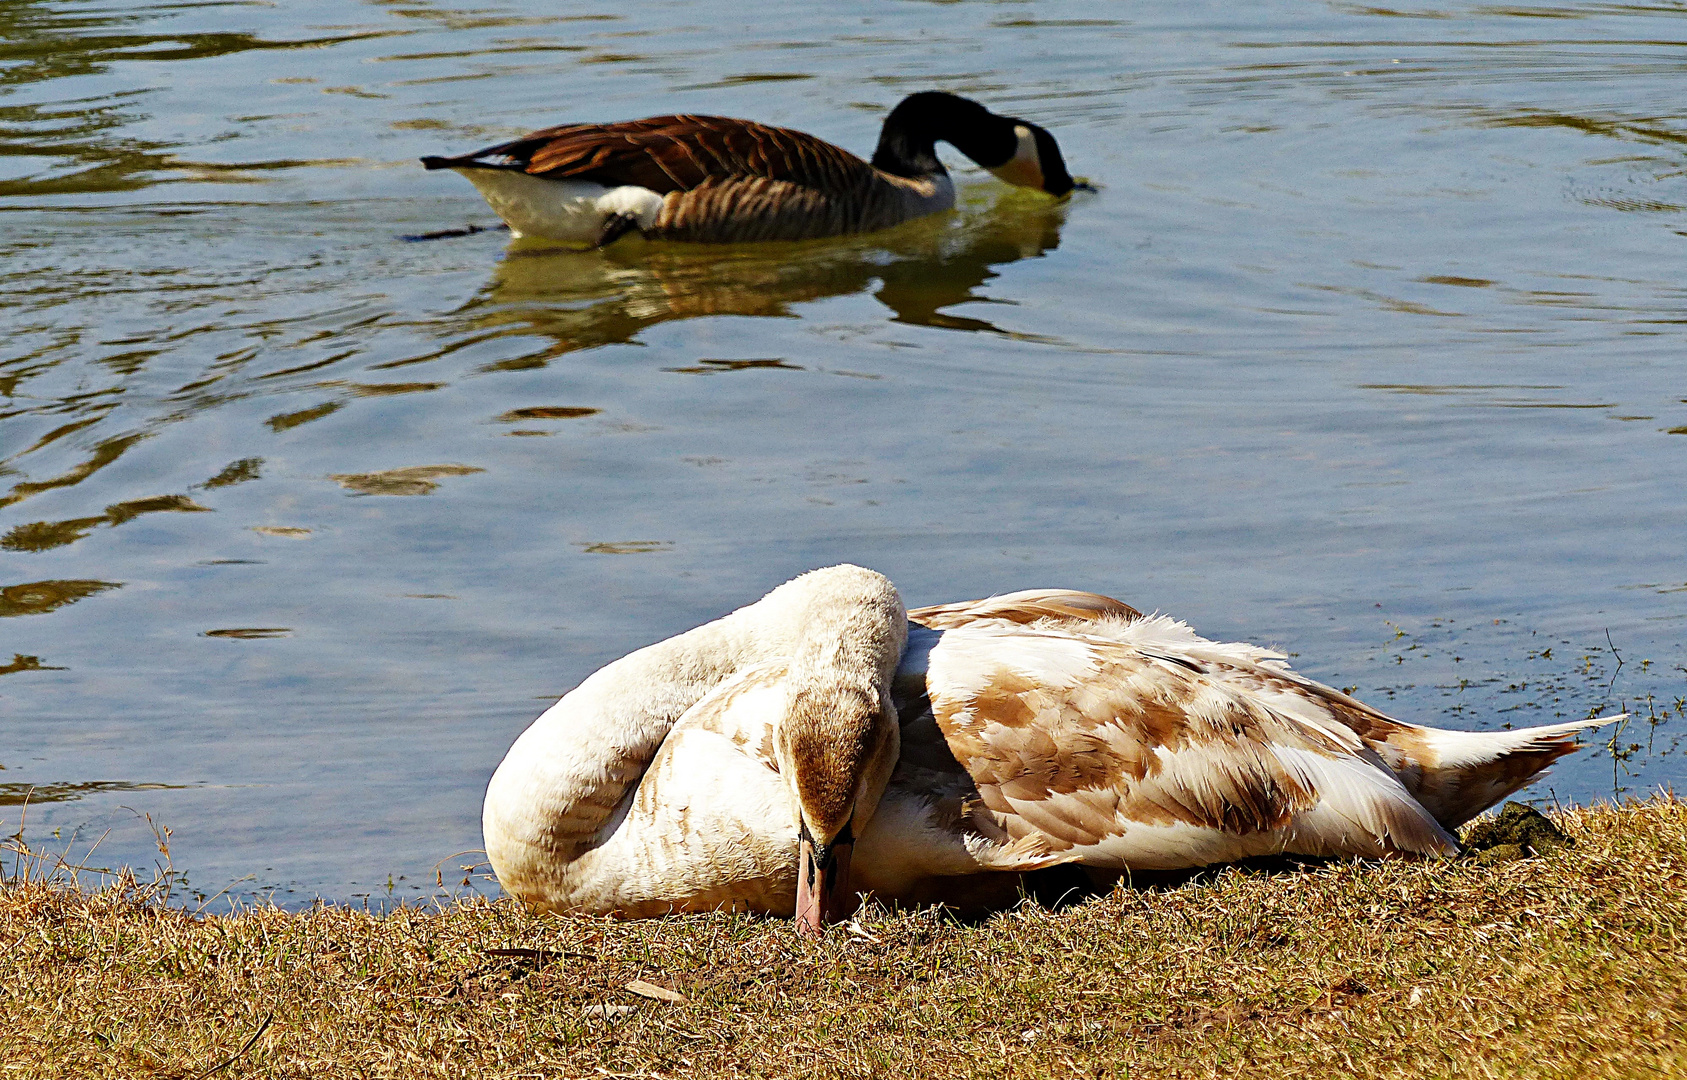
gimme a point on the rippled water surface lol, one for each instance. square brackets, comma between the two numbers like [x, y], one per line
[1370, 346]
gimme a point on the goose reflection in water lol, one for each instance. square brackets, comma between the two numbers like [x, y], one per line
[582, 299]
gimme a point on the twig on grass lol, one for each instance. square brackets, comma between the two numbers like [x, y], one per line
[263, 1027]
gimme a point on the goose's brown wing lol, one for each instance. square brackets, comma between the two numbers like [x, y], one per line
[679, 153]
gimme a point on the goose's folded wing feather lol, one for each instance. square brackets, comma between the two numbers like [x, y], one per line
[680, 153]
[1141, 759]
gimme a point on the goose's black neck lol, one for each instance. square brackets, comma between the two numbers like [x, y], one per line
[908, 142]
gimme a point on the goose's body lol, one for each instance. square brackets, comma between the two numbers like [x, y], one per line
[1034, 729]
[715, 179]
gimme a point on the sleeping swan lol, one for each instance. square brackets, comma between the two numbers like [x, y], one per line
[822, 743]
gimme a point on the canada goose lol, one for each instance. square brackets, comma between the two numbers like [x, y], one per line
[814, 745]
[714, 179]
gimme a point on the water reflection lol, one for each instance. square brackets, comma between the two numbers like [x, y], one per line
[409, 480]
[250, 632]
[30, 794]
[547, 412]
[40, 597]
[24, 662]
[237, 472]
[572, 300]
[585, 299]
[67, 147]
[45, 535]
[105, 452]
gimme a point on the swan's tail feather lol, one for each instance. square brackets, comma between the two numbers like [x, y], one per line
[1458, 774]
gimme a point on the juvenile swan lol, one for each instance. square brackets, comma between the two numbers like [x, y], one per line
[813, 746]
[710, 178]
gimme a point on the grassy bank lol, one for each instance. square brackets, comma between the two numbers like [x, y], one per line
[1572, 965]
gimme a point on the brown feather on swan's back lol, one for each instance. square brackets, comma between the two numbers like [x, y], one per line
[1026, 606]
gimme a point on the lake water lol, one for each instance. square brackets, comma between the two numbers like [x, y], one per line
[1369, 346]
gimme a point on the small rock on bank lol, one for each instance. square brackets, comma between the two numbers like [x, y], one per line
[1519, 832]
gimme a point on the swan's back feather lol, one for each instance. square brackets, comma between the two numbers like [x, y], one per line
[1089, 740]
[1454, 775]
[1025, 606]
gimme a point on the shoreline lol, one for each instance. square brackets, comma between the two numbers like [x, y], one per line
[1572, 963]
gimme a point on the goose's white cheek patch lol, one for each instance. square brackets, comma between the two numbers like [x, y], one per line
[1023, 168]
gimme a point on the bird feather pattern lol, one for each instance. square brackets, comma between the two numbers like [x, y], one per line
[1036, 728]
[684, 152]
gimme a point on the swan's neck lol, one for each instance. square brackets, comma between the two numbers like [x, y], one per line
[557, 792]
[559, 786]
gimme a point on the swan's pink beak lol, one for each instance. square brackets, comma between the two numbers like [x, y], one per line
[823, 894]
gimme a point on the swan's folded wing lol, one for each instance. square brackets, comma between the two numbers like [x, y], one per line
[1136, 759]
[745, 709]
[681, 153]
[1454, 775]
[1023, 607]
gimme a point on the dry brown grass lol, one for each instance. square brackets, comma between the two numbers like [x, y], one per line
[1573, 965]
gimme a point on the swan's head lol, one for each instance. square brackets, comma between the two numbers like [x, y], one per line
[836, 746]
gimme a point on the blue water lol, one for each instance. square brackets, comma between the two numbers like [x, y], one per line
[1368, 347]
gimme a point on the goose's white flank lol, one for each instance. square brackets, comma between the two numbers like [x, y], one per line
[710, 178]
[814, 746]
